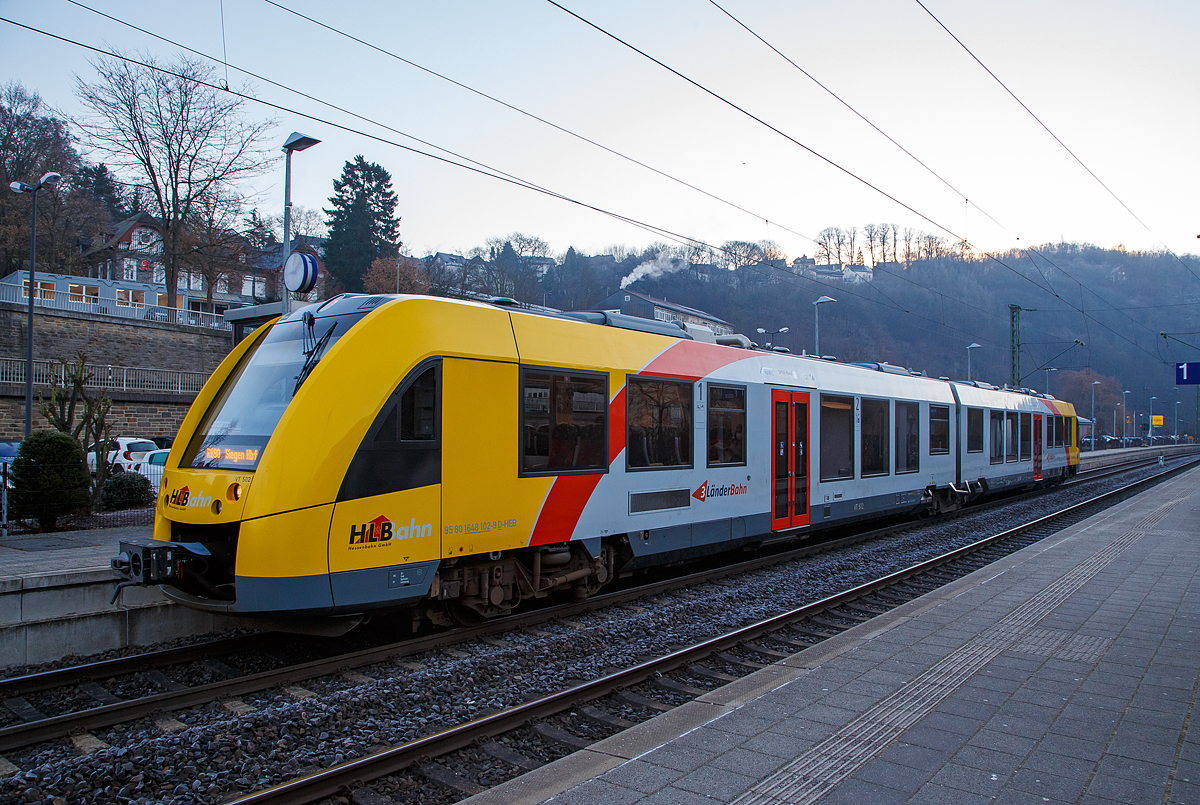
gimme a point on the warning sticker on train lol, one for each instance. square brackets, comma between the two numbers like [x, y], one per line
[704, 491]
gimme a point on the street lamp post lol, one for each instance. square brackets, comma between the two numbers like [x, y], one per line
[1177, 422]
[1150, 422]
[1048, 371]
[969, 348]
[769, 333]
[1094, 384]
[47, 180]
[295, 142]
[1124, 417]
[817, 321]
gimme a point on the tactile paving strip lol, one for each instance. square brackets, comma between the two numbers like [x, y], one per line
[812, 775]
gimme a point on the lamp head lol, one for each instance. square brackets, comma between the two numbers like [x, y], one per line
[49, 180]
[783, 329]
[19, 187]
[824, 299]
[761, 330]
[298, 142]
[973, 346]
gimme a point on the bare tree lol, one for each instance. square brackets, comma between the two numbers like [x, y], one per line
[826, 244]
[909, 234]
[209, 242]
[851, 238]
[771, 250]
[883, 232]
[872, 233]
[178, 136]
[895, 241]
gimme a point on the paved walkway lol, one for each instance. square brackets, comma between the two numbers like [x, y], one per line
[1066, 673]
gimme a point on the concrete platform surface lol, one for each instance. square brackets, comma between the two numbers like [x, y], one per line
[1065, 673]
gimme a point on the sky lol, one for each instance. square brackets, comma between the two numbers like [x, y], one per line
[1116, 82]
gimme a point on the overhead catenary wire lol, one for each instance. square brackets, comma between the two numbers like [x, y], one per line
[722, 99]
[897, 306]
[365, 43]
[1048, 286]
[484, 170]
[1057, 139]
[495, 173]
[532, 116]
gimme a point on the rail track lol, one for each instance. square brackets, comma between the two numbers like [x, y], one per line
[102, 708]
[772, 638]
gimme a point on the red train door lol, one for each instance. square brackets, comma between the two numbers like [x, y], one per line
[1037, 447]
[789, 459]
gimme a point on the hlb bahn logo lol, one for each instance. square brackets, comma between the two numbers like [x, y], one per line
[704, 492]
[184, 499]
[381, 529]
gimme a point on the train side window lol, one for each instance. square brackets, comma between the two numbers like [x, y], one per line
[1069, 431]
[564, 422]
[837, 438]
[658, 423]
[996, 454]
[1052, 437]
[1026, 436]
[402, 448]
[726, 426]
[1058, 431]
[939, 430]
[876, 437]
[908, 437]
[1010, 436]
[974, 430]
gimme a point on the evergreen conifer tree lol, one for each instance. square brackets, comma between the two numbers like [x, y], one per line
[362, 222]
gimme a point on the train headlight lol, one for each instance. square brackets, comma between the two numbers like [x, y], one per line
[234, 492]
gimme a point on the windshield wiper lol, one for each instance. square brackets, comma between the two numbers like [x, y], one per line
[313, 355]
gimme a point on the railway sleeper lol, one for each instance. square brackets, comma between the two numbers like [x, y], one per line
[597, 716]
[561, 736]
[446, 776]
[666, 683]
[704, 672]
[511, 756]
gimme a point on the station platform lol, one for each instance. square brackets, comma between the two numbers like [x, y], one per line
[55, 599]
[1065, 673]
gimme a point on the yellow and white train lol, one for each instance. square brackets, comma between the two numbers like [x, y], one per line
[457, 458]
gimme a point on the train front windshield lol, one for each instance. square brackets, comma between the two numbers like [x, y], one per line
[239, 423]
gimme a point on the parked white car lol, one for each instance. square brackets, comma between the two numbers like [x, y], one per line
[152, 467]
[123, 453]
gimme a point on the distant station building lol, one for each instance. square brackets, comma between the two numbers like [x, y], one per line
[632, 303]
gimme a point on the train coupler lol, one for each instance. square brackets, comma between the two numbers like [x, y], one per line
[145, 562]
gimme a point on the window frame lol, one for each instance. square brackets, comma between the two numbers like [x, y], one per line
[996, 452]
[1025, 444]
[896, 436]
[971, 431]
[822, 478]
[708, 423]
[351, 487]
[886, 440]
[522, 472]
[1012, 433]
[691, 425]
[940, 451]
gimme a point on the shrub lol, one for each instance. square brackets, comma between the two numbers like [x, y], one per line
[49, 478]
[125, 490]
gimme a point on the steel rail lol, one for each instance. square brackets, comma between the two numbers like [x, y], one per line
[106, 715]
[107, 669]
[331, 781]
